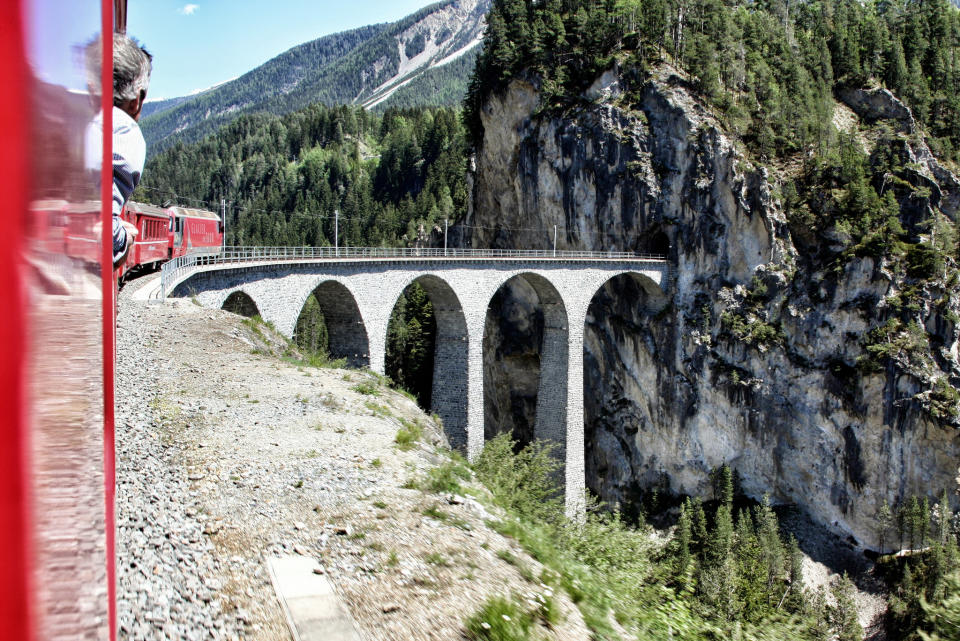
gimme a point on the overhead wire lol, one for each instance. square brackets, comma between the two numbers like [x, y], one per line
[235, 207]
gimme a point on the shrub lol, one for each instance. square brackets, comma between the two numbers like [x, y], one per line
[408, 435]
[522, 482]
[500, 619]
[366, 388]
[446, 477]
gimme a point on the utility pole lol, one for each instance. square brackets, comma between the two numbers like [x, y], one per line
[223, 217]
[336, 231]
[554, 241]
[445, 224]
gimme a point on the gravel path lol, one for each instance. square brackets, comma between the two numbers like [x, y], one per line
[227, 455]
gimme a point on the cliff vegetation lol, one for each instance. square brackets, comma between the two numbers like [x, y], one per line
[794, 162]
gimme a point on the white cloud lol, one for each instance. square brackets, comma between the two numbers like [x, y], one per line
[188, 9]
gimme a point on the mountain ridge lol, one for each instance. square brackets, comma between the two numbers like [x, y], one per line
[365, 66]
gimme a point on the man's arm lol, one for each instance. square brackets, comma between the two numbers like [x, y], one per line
[129, 153]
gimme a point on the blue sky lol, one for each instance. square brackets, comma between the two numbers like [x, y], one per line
[199, 43]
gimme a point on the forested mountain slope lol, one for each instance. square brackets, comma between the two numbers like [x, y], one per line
[152, 107]
[392, 177]
[427, 57]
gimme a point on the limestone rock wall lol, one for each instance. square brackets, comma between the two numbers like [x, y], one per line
[669, 393]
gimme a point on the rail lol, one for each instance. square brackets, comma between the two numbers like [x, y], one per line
[176, 268]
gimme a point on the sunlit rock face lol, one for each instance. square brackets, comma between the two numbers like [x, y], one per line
[670, 391]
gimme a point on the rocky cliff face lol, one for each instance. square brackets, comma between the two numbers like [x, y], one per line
[753, 361]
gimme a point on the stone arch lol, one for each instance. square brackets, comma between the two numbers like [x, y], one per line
[241, 303]
[448, 398]
[345, 325]
[620, 387]
[547, 327]
[653, 298]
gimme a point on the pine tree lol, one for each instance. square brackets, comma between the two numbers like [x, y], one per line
[684, 536]
[795, 598]
[884, 521]
[751, 574]
[821, 629]
[941, 618]
[768, 534]
[311, 331]
[717, 581]
[700, 527]
[723, 486]
[897, 74]
[843, 614]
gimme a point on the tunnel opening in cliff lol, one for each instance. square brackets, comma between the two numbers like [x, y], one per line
[654, 241]
[524, 363]
[623, 364]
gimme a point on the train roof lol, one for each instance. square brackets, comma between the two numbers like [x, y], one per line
[146, 208]
[194, 213]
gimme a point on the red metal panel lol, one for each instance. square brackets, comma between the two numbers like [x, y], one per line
[63, 343]
[109, 305]
[15, 591]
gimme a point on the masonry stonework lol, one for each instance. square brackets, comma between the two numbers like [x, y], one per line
[359, 295]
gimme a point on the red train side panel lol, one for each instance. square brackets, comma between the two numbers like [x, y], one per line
[195, 229]
[152, 243]
[16, 596]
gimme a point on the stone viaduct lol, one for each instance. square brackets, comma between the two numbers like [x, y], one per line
[357, 297]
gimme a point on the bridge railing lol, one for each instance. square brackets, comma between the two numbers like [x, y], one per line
[176, 268]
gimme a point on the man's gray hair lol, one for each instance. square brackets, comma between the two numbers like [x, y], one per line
[131, 68]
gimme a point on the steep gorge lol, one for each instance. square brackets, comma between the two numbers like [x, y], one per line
[758, 356]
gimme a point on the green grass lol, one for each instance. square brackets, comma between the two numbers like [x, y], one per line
[500, 619]
[408, 435]
[507, 556]
[376, 408]
[446, 477]
[366, 388]
[435, 558]
[436, 513]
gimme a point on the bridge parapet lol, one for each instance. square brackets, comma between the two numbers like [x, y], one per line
[178, 269]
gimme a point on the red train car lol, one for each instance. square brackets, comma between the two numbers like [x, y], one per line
[194, 229]
[82, 238]
[47, 224]
[152, 245]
